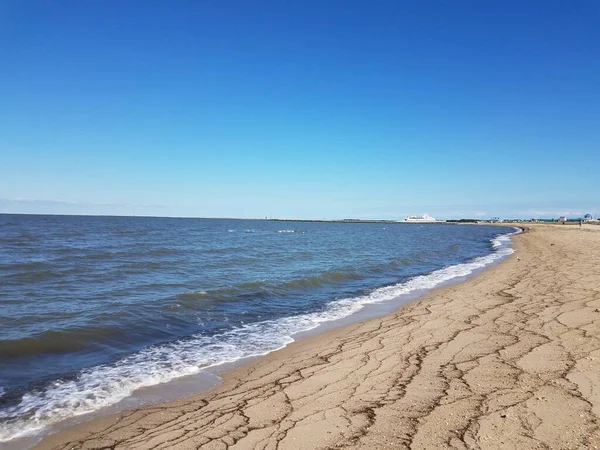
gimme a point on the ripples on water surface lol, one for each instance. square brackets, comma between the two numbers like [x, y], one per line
[92, 308]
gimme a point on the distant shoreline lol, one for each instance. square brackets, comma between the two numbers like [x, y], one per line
[383, 221]
[387, 221]
[215, 218]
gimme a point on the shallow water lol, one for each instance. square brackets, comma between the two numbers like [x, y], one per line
[93, 308]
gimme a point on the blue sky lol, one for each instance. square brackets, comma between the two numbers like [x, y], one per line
[305, 109]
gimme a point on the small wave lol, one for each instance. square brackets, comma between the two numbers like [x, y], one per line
[501, 240]
[106, 385]
[103, 255]
[193, 295]
[34, 277]
[258, 287]
[319, 280]
[37, 346]
[163, 252]
[258, 284]
[28, 266]
[262, 287]
[63, 341]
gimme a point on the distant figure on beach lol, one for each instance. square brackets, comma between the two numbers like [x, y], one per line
[580, 223]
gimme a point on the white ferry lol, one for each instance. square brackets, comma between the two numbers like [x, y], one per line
[425, 218]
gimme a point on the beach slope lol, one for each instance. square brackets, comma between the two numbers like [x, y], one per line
[508, 359]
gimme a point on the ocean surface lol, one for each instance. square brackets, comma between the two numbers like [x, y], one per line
[93, 308]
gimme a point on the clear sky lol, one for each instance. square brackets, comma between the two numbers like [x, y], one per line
[300, 109]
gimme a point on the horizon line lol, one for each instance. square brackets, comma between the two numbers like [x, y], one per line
[348, 219]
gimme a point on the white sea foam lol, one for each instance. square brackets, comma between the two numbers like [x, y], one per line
[500, 240]
[286, 231]
[106, 385]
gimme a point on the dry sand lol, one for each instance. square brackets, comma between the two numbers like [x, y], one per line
[507, 359]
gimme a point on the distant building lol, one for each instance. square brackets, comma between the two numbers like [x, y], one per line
[562, 219]
[425, 218]
[588, 218]
[496, 220]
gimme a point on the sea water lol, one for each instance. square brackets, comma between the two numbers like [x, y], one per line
[94, 308]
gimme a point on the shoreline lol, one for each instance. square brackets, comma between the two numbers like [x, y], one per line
[385, 300]
[280, 396]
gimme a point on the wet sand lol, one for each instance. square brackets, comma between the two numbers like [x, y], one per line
[508, 359]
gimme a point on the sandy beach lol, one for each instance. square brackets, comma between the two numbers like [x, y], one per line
[508, 359]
